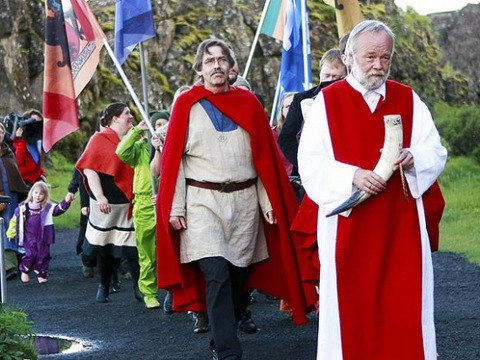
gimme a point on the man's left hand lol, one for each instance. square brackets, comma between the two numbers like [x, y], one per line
[406, 159]
[270, 217]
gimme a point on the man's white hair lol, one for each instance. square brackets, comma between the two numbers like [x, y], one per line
[367, 26]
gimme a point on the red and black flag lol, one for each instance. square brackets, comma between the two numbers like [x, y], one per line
[73, 41]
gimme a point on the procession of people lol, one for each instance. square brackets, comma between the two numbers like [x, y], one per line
[208, 210]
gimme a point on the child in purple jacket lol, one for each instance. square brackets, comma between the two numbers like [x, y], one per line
[32, 224]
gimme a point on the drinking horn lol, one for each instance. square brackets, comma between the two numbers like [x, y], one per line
[392, 146]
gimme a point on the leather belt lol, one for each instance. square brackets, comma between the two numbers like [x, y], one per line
[225, 187]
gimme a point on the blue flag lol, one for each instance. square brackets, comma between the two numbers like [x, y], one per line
[296, 69]
[133, 24]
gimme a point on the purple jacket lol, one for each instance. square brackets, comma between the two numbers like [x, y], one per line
[48, 231]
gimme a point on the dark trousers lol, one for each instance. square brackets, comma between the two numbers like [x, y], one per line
[107, 265]
[225, 284]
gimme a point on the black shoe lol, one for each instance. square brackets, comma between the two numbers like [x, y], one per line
[11, 274]
[167, 303]
[213, 350]
[215, 354]
[102, 294]
[201, 322]
[138, 295]
[246, 323]
[87, 271]
[116, 283]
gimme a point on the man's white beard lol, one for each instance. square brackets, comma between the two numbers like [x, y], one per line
[368, 82]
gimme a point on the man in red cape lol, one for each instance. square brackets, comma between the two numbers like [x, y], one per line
[278, 274]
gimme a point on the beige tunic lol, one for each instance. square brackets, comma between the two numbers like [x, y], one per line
[219, 224]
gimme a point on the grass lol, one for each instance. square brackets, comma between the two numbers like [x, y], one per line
[460, 183]
[459, 229]
[58, 177]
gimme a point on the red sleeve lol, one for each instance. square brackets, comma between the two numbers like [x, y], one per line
[20, 146]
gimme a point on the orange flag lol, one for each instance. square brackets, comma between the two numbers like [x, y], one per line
[348, 14]
[73, 40]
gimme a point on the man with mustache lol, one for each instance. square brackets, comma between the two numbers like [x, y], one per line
[225, 204]
[376, 278]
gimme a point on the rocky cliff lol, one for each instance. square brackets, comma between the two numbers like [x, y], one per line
[459, 38]
[183, 24]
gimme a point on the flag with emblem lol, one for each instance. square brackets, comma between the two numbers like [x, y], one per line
[73, 41]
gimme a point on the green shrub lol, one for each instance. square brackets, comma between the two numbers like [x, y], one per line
[17, 338]
[460, 128]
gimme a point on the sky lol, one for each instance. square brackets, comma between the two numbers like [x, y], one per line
[424, 7]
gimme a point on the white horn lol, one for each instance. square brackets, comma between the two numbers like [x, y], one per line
[392, 146]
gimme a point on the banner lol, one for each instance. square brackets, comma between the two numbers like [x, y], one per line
[73, 41]
[296, 68]
[133, 24]
[348, 14]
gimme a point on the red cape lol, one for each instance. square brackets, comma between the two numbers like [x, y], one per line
[304, 231]
[279, 275]
[100, 156]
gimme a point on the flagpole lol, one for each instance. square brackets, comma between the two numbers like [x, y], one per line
[275, 100]
[129, 86]
[306, 74]
[145, 103]
[144, 78]
[255, 39]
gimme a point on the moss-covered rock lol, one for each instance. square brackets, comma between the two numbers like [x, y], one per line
[182, 24]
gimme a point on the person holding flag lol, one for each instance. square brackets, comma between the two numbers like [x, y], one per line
[134, 150]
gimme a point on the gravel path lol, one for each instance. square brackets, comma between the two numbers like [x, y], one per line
[124, 329]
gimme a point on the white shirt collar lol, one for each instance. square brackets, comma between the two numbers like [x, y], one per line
[362, 90]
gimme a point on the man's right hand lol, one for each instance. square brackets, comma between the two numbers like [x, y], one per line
[178, 222]
[369, 182]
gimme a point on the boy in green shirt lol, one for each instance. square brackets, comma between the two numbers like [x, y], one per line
[134, 150]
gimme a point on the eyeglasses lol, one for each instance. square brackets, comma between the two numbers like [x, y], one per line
[222, 60]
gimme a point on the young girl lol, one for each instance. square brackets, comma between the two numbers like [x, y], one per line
[35, 230]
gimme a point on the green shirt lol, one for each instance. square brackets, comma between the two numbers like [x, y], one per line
[136, 153]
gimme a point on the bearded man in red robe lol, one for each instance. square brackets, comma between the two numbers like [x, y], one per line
[376, 278]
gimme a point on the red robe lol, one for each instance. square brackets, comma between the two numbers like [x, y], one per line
[100, 156]
[378, 251]
[279, 275]
[304, 231]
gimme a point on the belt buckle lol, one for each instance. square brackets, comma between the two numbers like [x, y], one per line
[224, 187]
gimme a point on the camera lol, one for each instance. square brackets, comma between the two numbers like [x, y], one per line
[32, 128]
[11, 121]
